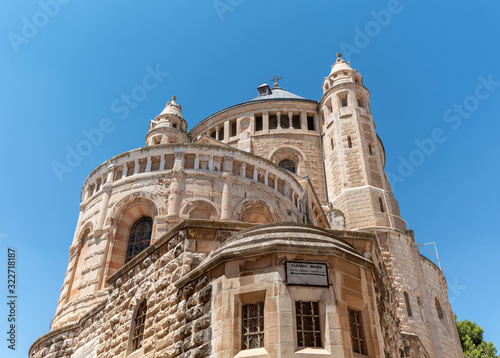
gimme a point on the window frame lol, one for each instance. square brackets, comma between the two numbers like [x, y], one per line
[315, 322]
[360, 336]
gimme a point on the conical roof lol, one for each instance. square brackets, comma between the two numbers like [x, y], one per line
[340, 65]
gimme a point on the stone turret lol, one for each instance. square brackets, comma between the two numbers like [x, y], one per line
[168, 127]
[354, 155]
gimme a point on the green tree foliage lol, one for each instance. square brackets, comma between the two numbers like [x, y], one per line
[471, 338]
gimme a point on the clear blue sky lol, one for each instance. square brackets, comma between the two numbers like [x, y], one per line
[62, 68]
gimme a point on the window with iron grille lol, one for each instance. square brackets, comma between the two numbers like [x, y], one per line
[140, 320]
[288, 165]
[356, 328]
[253, 326]
[140, 237]
[308, 327]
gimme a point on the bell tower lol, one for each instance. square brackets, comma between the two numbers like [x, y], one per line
[353, 153]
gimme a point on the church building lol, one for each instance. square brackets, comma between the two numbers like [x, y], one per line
[269, 230]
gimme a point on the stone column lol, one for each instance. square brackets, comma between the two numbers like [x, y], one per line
[175, 198]
[290, 120]
[278, 115]
[226, 131]
[162, 162]
[286, 188]
[265, 122]
[211, 163]
[148, 165]
[217, 130]
[137, 167]
[125, 169]
[303, 121]
[243, 172]
[227, 197]
[106, 193]
[197, 161]
[79, 223]
[266, 177]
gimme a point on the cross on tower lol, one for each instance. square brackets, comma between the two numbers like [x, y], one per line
[275, 79]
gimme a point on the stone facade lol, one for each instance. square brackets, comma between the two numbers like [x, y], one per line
[221, 210]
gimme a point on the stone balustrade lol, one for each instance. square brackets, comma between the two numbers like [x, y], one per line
[204, 158]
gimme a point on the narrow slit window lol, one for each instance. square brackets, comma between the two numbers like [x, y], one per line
[252, 326]
[233, 128]
[381, 205]
[407, 303]
[308, 324]
[356, 328]
[439, 309]
[139, 323]
[349, 141]
[370, 149]
[332, 144]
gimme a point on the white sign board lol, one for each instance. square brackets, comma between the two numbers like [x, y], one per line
[306, 273]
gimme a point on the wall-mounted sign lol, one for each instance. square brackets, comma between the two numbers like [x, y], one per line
[306, 273]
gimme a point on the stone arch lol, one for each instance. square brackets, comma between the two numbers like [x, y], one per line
[291, 153]
[125, 216]
[200, 205]
[119, 206]
[82, 248]
[255, 210]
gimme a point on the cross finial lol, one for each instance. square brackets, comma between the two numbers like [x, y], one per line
[276, 79]
[339, 55]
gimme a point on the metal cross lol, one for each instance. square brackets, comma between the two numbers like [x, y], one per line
[276, 79]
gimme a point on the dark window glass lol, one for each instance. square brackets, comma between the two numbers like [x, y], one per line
[258, 123]
[140, 237]
[273, 121]
[140, 320]
[253, 326]
[296, 122]
[308, 326]
[288, 165]
[356, 328]
[310, 123]
[233, 129]
[285, 121]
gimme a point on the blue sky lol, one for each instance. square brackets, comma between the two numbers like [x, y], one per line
[68, 68]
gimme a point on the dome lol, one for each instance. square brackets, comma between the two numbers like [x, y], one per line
[276, 94]
[340, 65]
[171, 108]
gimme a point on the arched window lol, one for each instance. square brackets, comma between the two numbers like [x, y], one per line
[138, 329]
[288, 165]
[438, 308]
[139, 238]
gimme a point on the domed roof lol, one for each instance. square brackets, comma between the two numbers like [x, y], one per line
[172, 108]
[277, 93]
[340, 65]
